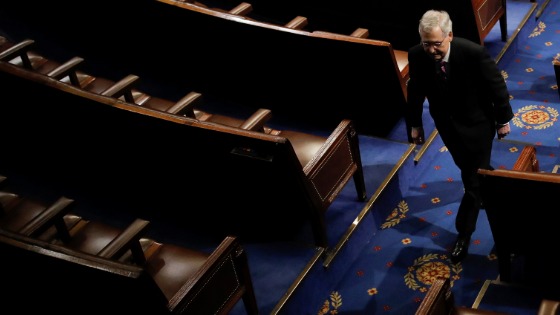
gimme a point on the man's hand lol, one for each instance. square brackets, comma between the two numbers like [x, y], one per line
[417, 135]
[503, 131]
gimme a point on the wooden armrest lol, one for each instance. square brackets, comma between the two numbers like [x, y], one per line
[338, 159]
[51, 216]
[361, 33]
[549, 307]
[127, 239]
[5, 199]
[337, 135]
[438, 300]
[298, 23]
[401, 56]
[257, 120]
[226, 265]
[527, 160]
[19, 50]
[67, 69]
[185, 106]
[242, 9]
[123, 87]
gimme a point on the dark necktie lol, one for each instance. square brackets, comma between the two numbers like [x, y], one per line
[441, 70]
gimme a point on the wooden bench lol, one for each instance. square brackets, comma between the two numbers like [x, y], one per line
[520, 208]
[311, 80]
[392, 21]
[162, 163]
[66, 278]
[189, 105]
[439, 300]
[173, 279]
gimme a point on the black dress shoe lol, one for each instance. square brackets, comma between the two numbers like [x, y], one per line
[460, 249]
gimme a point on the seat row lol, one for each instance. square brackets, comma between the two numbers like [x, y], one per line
[68, 72]
[386, 21]
[308, 79]
[68, 264]
[245, 11]
[295, 175]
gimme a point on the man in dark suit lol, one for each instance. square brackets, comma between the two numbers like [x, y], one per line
[468, 101]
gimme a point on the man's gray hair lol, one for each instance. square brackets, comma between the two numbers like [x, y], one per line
[432, 19]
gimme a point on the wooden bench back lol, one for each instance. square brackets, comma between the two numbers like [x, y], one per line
[392, 21]
[61, 280]
[306, 80]
[151, 160]
[55, 243]
[520, 209]
[67, 281]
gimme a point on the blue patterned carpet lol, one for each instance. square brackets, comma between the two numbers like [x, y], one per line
[394, 252]
[410, 246]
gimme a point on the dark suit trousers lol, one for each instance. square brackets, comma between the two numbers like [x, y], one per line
[468, 162]
[467, 215]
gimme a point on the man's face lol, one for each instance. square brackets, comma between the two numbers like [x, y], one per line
[436, 43]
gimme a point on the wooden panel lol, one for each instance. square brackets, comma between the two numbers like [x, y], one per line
[487, 13]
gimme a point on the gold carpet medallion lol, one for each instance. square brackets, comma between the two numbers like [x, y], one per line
[427, 268]
[536, 117]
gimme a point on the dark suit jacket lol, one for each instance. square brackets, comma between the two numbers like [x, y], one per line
[467, 106]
